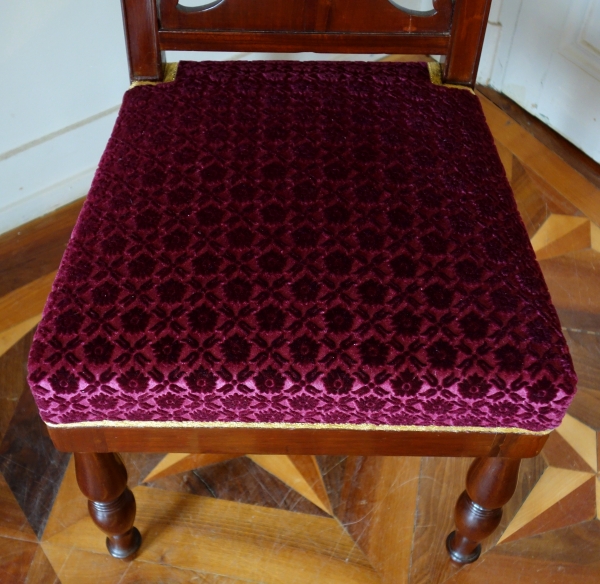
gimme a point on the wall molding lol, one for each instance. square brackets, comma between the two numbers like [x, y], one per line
[53, 170]
[52, 135]
[578, 43]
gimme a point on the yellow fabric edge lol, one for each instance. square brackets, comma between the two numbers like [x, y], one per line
[292, 426]
[170, 72]
[435, 75]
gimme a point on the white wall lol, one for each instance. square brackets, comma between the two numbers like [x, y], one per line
[63, 72]
[545, 55]
[62, 77]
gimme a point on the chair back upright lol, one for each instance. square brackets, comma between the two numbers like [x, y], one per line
[453, 29]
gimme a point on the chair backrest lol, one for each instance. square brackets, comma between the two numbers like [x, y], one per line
[454, 29]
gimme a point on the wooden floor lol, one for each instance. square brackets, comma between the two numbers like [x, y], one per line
[305, 520]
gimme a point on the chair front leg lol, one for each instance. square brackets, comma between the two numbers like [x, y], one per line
[102, 478]
[491, 483]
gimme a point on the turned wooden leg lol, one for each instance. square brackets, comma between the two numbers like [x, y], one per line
[491, 482]
[102, 478]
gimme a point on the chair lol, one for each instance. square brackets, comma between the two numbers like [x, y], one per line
[301, 258]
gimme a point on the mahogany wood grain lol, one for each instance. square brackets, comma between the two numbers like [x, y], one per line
[306, 15]
[141, 28]
[190, 40]
[343, 26]
[382, 15]
[236, 15]
[298, 441]
[491, 483]
[102, 478]
[468, 29]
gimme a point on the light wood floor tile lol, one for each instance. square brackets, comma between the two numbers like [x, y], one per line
[542, 161]
[300, 473]
[577, 506]
[308, 467]
[40, 570]
[598, 451]
[595, 236]
[146, 573]
[572, 545]
[561, 234]
[25, 303]
[442, 480]
[586, 407]
[553, 199]
[536, 198]
[380, 505]
[573, 281]
[176, 463]
[9, 337]
[202, 534]
[560, 454]
[506, 156]
[555, 484]
[70, 505]
[585, 350]
[582, 439]
[77, 566]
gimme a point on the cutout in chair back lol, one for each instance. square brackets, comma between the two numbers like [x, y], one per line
[329, 16]
[197, 5]
[416, 7]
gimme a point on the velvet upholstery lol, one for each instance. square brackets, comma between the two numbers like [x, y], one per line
[285, 242]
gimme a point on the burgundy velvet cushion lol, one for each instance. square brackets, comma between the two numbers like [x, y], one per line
[284, 242]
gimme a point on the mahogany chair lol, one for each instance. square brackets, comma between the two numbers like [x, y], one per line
[301, 258]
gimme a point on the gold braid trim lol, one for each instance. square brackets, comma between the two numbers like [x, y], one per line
[295, 426]
[169, 74]
[435, 74]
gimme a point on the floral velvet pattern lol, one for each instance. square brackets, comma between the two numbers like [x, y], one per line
[285, 242]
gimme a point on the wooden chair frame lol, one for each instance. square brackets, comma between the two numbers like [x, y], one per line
[453, 30]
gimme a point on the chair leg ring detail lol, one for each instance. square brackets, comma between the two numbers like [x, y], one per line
[124, 546]
[457, 556]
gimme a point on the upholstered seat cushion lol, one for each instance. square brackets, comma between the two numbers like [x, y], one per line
[301, 243]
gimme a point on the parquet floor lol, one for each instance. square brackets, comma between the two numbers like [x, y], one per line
[301, 519]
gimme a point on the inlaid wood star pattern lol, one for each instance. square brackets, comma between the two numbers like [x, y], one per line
[228, 520]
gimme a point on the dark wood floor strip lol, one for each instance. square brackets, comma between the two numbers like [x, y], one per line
[36, 248]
